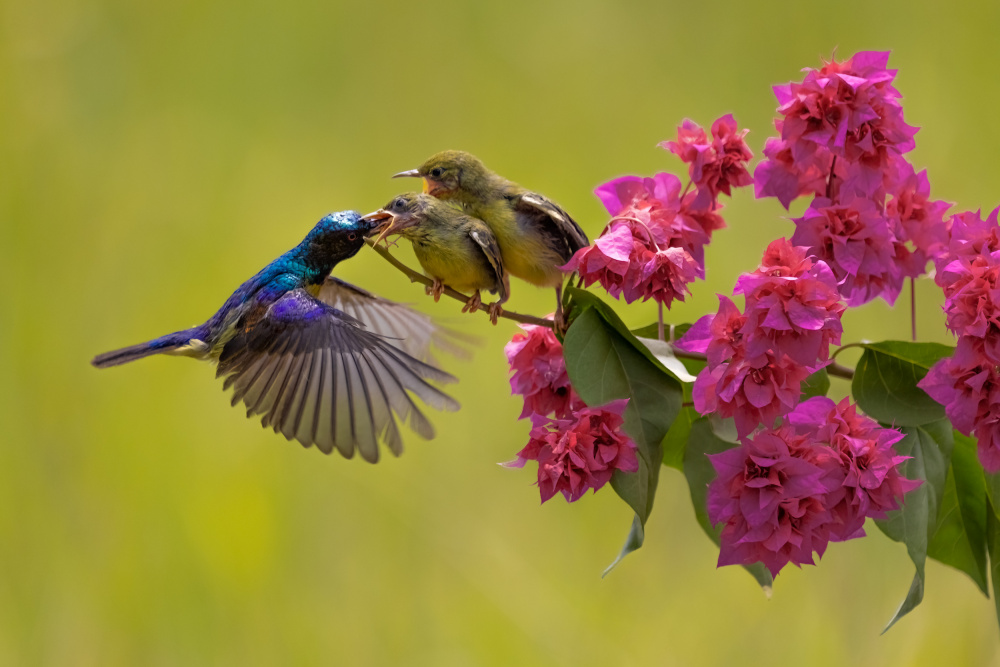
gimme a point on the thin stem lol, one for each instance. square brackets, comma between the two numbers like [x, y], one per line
[424, 280]
[686, 188]
[659, 322]
[829, 180]
[913, 309]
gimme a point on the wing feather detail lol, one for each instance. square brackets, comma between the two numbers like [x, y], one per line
[316, 375]
[407, 329]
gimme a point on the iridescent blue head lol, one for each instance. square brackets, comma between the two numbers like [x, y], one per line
[339, 235]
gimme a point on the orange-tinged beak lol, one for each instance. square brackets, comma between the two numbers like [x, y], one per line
[384, 228]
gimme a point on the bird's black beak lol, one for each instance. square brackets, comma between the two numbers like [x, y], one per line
[409, 173]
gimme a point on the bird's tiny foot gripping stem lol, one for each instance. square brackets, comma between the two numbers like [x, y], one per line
[436, 290]
[496, 309]
[473, 304]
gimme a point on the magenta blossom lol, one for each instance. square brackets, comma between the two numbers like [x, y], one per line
[580, 452]
[717, 164]
[969, 273]
[916, 218]
[967, 384]
[719, 336]
[771, 497]
[787, 177]
[539, 372]
[864, 452]
[653, 246]
[857, 243]
[792, 306]
[842, 120]
[751, 390]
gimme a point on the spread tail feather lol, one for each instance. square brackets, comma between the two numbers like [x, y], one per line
[159, 345]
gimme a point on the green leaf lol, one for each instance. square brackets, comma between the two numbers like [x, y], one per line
[675, 443]
[930, 447]
[993, 546]
[671, 331]
[886, 377]
[581, 300]
[664, 353]
[960, 538]
[699, 472]
[816, 384]
[603, 366]
[993, 490]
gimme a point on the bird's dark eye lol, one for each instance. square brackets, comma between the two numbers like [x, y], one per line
[352, 236]
[398, 204]
[436, 172]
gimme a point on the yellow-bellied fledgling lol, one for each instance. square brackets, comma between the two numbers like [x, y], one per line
[536, 237]
[454, 249]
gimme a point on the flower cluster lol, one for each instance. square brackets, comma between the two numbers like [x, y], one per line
[968, 382]
[758, 359]
[842, 140]
[715, 165]
[576, 447]
[788, 491]
[654, 245]
[579, 452]
[539, 373]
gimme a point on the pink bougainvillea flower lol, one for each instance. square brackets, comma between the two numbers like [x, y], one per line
[785, 176]
[636, 191]
[917, 219]
[692, 146]
[751, 390]
[792, 306]
[845, 112]
[970, 235]
[967, 384]
[579, 452]
[771, 498]
[653, 246]
[968, 272]
[972, 304]
[627, 261]
[717, 164]
[857, 243]
[539, 372]
[864, 451]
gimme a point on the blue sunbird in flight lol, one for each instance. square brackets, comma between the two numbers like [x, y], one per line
[324, 362]
[453, 248]
[535, 235]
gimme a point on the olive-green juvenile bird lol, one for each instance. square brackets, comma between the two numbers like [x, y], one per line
[536, 237]
[454, 249]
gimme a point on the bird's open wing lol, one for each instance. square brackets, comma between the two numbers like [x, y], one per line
[485, 240]
[409, 330]
[316, 375]
[547, 215]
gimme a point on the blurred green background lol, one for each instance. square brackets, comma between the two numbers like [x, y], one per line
[154, 155]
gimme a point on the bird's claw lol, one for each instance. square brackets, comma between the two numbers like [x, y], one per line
[496, 309]
[559, 323]
[473, 304]
[436, 289]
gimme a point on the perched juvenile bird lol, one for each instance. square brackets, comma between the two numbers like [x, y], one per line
[536, 237]
[454, 249]
[315, 372]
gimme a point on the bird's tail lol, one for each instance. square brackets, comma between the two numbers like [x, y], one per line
[169, 343]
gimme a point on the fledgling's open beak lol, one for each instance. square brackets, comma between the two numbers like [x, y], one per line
[381, 221]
